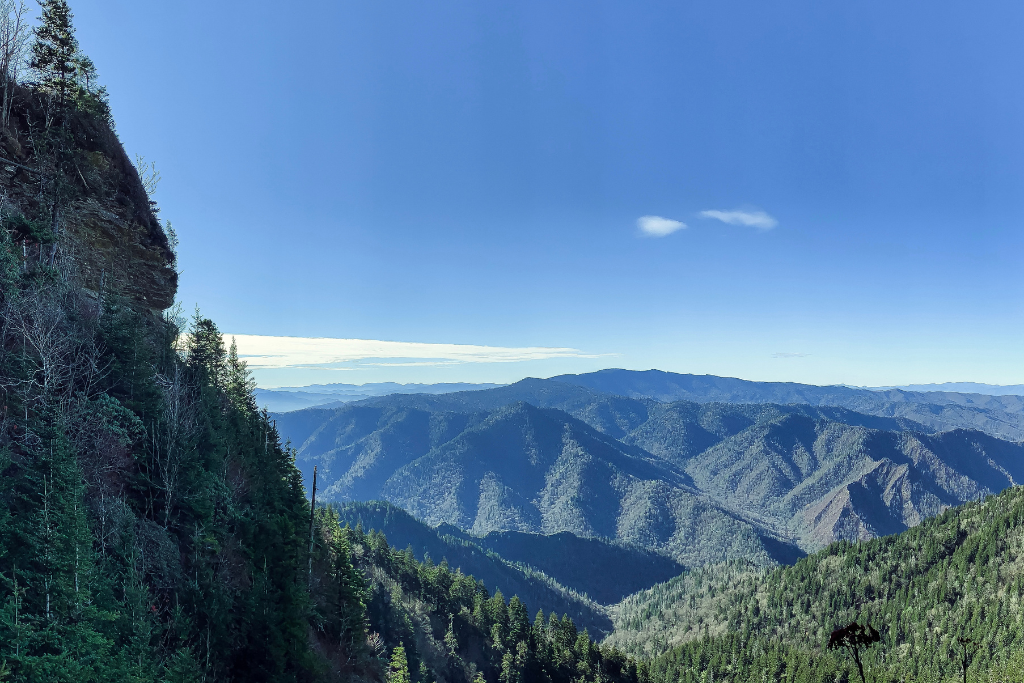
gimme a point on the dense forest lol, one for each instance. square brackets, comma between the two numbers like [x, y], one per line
[450, 628]
[955, 581]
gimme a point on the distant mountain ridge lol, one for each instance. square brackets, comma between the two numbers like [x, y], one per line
[700, 482]
[962, 388]
[284, 399]
[1001, 416]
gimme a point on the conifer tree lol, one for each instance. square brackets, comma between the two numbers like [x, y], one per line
[398, 672]
[238, 381]
[55, 53]
[206, 353]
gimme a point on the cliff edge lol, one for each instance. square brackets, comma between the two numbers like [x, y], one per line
[85, 203]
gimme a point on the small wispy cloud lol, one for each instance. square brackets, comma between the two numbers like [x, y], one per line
[789, 354]
[266, 352]
[752, 219]
[657, 226]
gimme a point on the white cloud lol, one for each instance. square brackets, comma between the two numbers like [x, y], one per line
[753, 219]
[656, 226]
[789, 354]
[265, 352]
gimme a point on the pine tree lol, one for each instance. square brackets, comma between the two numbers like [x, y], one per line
[55, 54]
[398, 672]
[206, 353]
[239, 384]
[350, 605]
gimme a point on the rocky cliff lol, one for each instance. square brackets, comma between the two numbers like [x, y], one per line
[84, 189]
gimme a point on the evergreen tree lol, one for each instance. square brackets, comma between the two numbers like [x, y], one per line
[61, 70]
[398, 671]
[239, 384]
[55, 53]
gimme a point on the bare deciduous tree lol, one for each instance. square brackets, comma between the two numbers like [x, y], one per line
[148, 174]
[14, 39]
[173, 442]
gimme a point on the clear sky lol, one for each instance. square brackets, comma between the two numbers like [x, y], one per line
[806, 191]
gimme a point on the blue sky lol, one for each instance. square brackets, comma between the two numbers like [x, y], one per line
[470, 173]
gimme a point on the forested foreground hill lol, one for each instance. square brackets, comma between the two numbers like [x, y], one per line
[429, 623]
[558, 572]
[957, 576]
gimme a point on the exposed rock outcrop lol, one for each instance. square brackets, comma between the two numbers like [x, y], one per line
[105, 220]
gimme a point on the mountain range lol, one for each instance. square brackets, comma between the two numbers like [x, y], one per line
[614, 455]
[282, 399]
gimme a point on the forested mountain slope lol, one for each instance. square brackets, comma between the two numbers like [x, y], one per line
[958, 575]
[522, 468]
[564, 563]
[458, 552]
[436, 624]
[152, 527]
[780, 476]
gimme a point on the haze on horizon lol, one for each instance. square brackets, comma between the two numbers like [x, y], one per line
[478, 193]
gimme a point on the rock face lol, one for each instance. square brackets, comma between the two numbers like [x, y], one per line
[106, 226]
[115, 252]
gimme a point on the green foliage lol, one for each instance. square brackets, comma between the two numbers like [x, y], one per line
[60, 67]
[474, 556]
[957, 576]
[152, 526]
[398, 672]
[25, 229]
[450, 628]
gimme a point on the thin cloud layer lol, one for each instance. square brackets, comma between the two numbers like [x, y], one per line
[657, 226]
[265, 352]
[752, 219]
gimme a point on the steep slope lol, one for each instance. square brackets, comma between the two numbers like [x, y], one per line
[105, 233]
[805, 474]
[824, 474]
[529, 469]
[521, 468]
[958, 575]
[603, 571]
[443, 625]
[536, 589]
[607, 572]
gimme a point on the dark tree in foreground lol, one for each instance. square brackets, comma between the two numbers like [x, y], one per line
[965, 659]
[853, 637]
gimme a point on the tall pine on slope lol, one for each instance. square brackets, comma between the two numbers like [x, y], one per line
[55, 52]
[61, 70]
